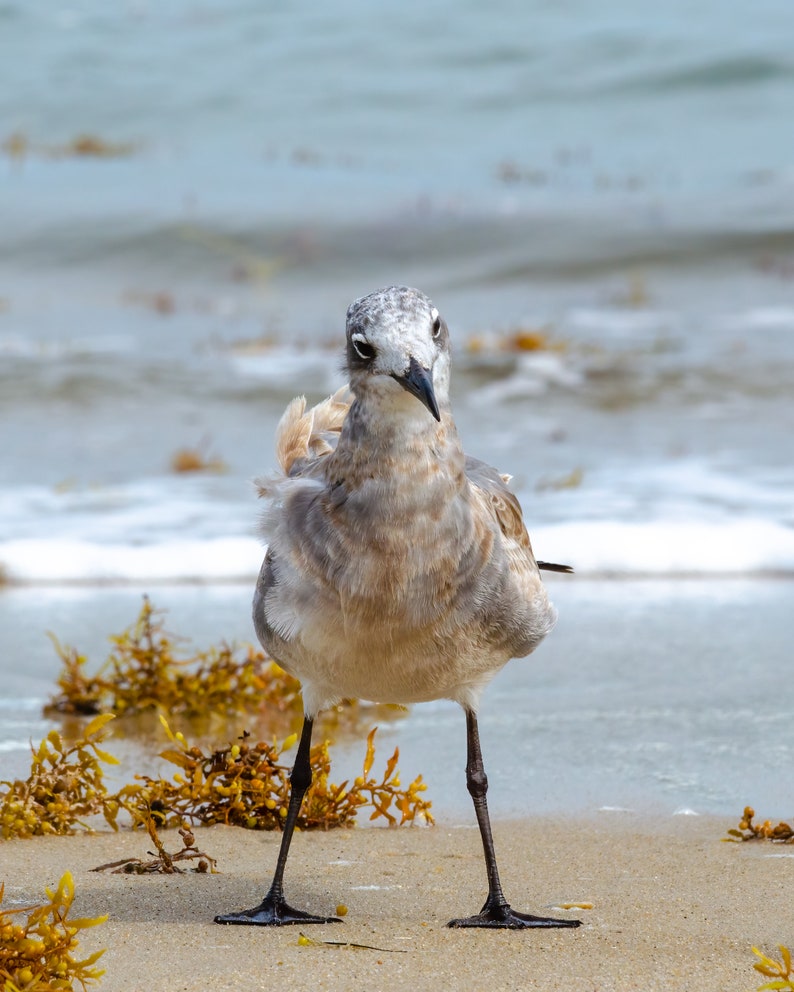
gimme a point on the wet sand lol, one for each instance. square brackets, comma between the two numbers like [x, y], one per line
[672, 907]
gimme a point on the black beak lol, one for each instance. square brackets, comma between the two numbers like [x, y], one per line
[419, 383]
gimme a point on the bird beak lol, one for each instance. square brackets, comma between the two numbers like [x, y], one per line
[418, 381]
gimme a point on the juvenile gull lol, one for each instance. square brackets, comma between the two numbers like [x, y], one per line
[398, 569]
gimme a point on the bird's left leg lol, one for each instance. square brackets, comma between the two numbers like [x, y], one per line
[497, 911]
[273, 911]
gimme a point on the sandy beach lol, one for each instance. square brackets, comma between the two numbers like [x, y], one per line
[672, 907]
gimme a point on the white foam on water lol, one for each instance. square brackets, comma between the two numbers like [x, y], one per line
[12, 745]
[733, 547]
[770, 318]
[729, 547]
[680, 517]
[535, 374]
[65, 560]
[278, 364]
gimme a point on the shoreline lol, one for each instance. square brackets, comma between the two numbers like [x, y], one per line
[654, 696]
[673, 907]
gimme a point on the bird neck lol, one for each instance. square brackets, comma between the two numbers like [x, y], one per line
[413, 446]
[394, 421]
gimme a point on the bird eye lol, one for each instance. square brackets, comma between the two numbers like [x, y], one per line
[362, 347]
[436, 324]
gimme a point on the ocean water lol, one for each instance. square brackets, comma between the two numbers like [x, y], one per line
[614, 184]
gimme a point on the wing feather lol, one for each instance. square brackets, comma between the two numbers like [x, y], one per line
[506, 508]
[504, 505]
[304, 437]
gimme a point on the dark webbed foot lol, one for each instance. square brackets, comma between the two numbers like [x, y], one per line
[500, 915]
[272, 913]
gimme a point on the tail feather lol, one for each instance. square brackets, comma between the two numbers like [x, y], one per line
[550, 566]
[293, 433]
[328, 418]
[303, 433]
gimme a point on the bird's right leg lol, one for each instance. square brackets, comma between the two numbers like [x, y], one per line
[496, 912]
[273, 911]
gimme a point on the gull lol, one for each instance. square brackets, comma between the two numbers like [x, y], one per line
[398, 569]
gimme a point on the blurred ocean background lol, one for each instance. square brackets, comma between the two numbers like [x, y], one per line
[598, 198]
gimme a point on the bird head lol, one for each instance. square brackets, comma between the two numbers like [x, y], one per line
[398, 348]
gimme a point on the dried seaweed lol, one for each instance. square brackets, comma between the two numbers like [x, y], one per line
[197, 459]
[571, 480]
[151, 670]
[159, 301]
[39, 954]
[143, 672]
[782, 833]
[242, 784]
[247, 785]
[163, 863]
[15, 145]
[520, 339]
[779, 971]
[304, 941]
[64, 786]
[19, 146]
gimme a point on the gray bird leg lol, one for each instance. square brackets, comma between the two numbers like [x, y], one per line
[496, 912]
[273, 911]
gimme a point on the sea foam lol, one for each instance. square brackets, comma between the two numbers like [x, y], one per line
[622, 550]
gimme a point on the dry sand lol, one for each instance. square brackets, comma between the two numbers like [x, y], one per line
[673, 907]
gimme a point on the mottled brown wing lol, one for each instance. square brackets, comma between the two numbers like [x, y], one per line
[506, 508]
